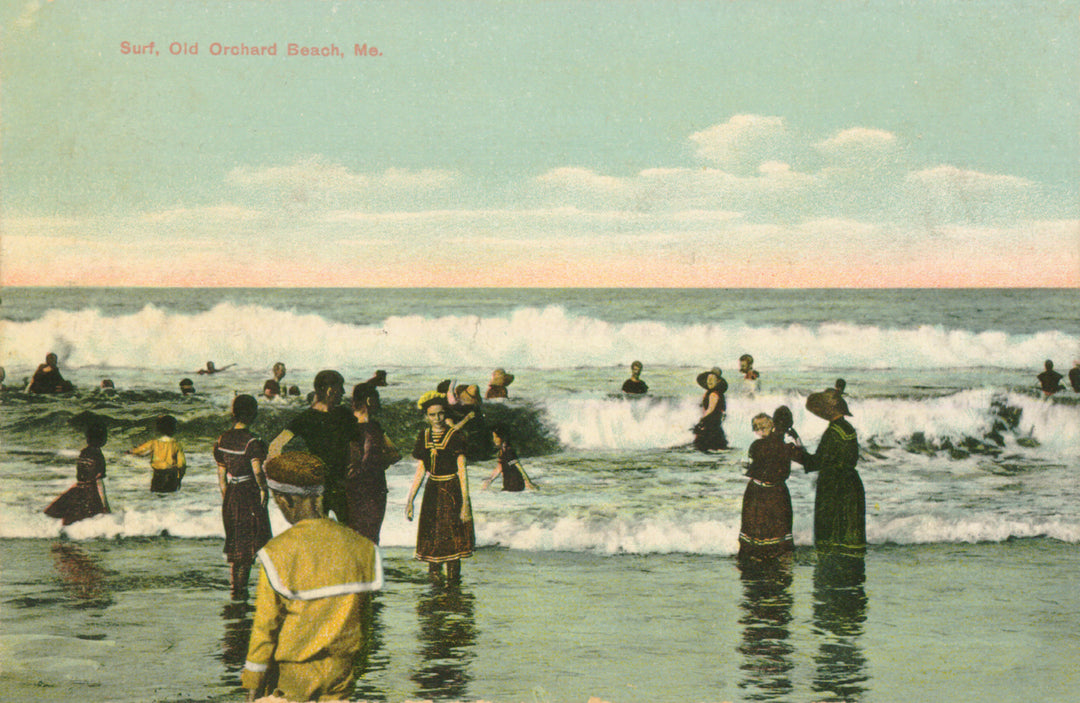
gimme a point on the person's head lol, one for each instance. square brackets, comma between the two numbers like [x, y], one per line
[106, 384]
[762, 424]
[712, 379]
[499, 433]
[271, 389]
[746, 362]
[379, 379]
[365, 395]
[244, 409]
[499, 377]
[635, 369]
[468, 395]
[782, 419]
[165, 425]
[296, 481]
[1049, 365]
[294, 390]
[50, 359]
[186, 386]
[209, 366]
[840, 385]
[828, 404]
[97, 433]
[329, 387]
[433, 405]
[279, 371]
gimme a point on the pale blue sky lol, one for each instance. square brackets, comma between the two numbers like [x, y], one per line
[511, 129]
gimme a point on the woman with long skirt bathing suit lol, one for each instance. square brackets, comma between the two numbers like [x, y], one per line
[87, 497]
[766, 509]
[240, 455]
[445, 533]
[709, 431]
[840, 502]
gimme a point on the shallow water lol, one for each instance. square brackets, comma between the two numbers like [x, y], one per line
[149, 619]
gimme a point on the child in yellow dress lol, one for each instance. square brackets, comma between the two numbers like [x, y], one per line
[167, 457]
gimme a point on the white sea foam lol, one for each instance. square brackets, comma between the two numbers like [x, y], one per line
[538, 338]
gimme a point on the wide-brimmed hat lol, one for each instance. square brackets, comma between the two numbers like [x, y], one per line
[297, 473]
[499, 377]
[703, 377]
[473, 391]
[827, 404]
[431, 398]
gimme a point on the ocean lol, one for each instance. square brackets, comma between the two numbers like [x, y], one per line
[617, 578]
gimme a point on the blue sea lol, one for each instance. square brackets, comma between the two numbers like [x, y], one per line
[616, 579]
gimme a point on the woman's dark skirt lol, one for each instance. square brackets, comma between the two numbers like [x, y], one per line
[441, 535]
[247, 524]
[766, 521]
[76, 503]
[367, 509]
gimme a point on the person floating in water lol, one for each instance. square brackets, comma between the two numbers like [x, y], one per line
[840, 502]
[87, 497]
[634, 385]
[187, 387]
[1074, 376]
[211, 369]
[499, 381]
[751, 378]
[47, 378]
[709, 431]
[1050, 380]
[167, 457]
[311, 604]
[513, 473]
[239, 456]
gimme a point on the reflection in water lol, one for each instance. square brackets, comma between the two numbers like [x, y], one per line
[839, 613]
[373, 656]
[234, 642]
[766, 621]
[82, 576]
[447, 635]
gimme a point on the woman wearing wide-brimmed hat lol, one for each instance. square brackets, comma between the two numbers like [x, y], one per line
[499, 381]
[840, 503]
[709, 431]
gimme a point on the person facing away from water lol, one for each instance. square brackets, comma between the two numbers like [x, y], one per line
[239, 455]
[634, 385]
[508, 465]
[87, 497]
[751, 379]
[445, 532]
[499, 381]
[1074, 376]
[1050, 380]
[325, 428]
[311, 603]
[48, 379]
[709, 431]
[166, 456]
[840, 501]
[371, 453]
[766, 507]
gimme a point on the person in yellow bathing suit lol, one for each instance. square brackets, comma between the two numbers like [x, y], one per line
[311, 614]
[167, 457]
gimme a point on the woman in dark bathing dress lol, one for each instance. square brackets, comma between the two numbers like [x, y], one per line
[240, 455]
[709, 431]
[87, 497]
[766, 511]
[445, 533]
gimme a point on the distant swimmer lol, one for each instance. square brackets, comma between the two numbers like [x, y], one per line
[1074, 376]
[1050, 380]
[379, 379]
[751, 378]
[271, 389]
[840, 385]
[513, 473]
[499, 381]
[634, 385]
[211, 369]
[47, 378]
[187, 387]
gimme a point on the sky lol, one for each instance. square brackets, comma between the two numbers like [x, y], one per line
[550, 144]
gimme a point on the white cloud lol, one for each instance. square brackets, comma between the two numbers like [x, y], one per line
[859, 139]
[744, 141]
[957, 179]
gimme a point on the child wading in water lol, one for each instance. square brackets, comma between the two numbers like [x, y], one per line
[240, 455]
[87, 497]
[167, 458]
[513, 473]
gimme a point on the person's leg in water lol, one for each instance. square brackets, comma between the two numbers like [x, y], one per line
[435, 571]
[241, 571]
[453, 571]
